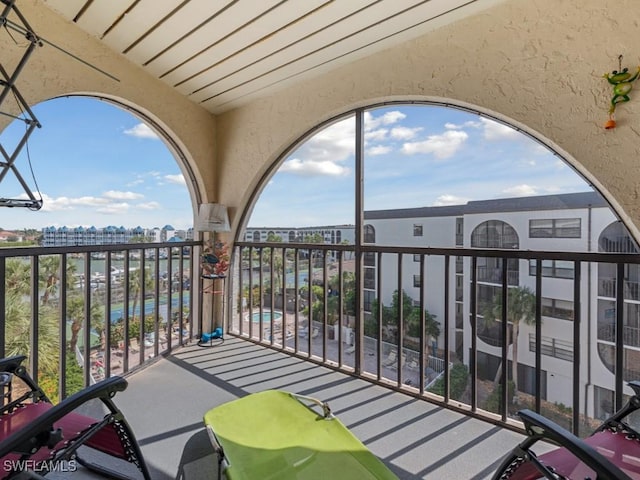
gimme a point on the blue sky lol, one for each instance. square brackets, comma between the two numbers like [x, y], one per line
[414, 156]
[96, 164]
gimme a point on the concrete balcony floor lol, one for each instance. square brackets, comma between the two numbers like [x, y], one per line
[165, 403]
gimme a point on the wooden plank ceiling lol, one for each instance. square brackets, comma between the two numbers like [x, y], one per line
[223, 53]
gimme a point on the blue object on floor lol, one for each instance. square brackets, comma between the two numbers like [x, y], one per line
[207, 337]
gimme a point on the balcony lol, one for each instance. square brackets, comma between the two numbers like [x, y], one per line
[414, 438]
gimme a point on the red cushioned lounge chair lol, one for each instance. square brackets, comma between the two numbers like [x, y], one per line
[36, 435]
[612, 452]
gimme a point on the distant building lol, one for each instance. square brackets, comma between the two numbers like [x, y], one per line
[111, 235]
[9, 236]
[332, 234]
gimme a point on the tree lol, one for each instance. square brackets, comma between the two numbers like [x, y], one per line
[17, 278]
[520, 308]
[135, 287]
[75, 313]
[18, 332]
[268, 253]
[49, 272]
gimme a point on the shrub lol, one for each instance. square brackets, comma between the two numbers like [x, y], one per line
[459, 375]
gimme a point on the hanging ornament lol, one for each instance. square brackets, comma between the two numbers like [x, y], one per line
[622, 82]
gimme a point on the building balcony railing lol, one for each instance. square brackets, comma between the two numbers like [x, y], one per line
[78, 317]
[630, 335]
[308, 301]
[607, 288]
[84, 313]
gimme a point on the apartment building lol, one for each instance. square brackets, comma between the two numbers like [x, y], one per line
[332, 234]
[110, 235]
[577, 222]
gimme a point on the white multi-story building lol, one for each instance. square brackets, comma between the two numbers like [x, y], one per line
[579, 222]
[332, 234]
[67, 237]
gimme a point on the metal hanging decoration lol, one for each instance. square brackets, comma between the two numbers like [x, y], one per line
[622, 82]
[8, 88]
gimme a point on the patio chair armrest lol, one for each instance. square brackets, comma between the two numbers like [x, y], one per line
[37, 432]
[539, 427]
[11, 364]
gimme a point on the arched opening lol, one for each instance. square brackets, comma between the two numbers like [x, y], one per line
[444, 198]
[108, 178]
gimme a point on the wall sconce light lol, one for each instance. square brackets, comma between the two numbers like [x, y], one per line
[622, 82]
[213, 217]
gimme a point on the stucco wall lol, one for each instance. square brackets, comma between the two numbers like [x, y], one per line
[50, 73]
[535, 63]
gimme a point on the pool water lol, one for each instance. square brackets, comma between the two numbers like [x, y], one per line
[266, 316]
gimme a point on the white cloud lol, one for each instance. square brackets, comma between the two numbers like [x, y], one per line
[149, 206]
[334, 143]
[404, 133]
[447, 199]
[313, 167]
[376, 135]
[497, 131]
[141, 131]
[379, 150]
[178, 179]
[53, 204]
[118, 195]
[388, 118]
[114, 208]
[460, 126]
[441, 146]
[521, 191]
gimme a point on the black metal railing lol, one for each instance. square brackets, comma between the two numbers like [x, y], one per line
[88, 312]
[308, 300]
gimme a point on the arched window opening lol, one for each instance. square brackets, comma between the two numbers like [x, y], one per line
[428, 177]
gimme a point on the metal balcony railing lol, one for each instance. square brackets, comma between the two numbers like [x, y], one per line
[308, 300]
[76, 311]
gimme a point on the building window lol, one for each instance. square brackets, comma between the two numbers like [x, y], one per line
[417, 230]
[417, 281]
[494, 234]
[369, 234]
[553, 268]
[370, 278]
[554, 308]
[369, 259]
[367, 300]
[554, 228]
[416, 257]
[459, 232]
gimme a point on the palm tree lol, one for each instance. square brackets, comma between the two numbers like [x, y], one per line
[49, 272]
[268, 253]
[18, 332]
[135, 287]
[17, 278]
[75, 313]
[520, 308]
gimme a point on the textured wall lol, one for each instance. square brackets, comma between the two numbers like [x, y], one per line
[536, 63]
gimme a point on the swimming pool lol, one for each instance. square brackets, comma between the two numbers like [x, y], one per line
[266, 316]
